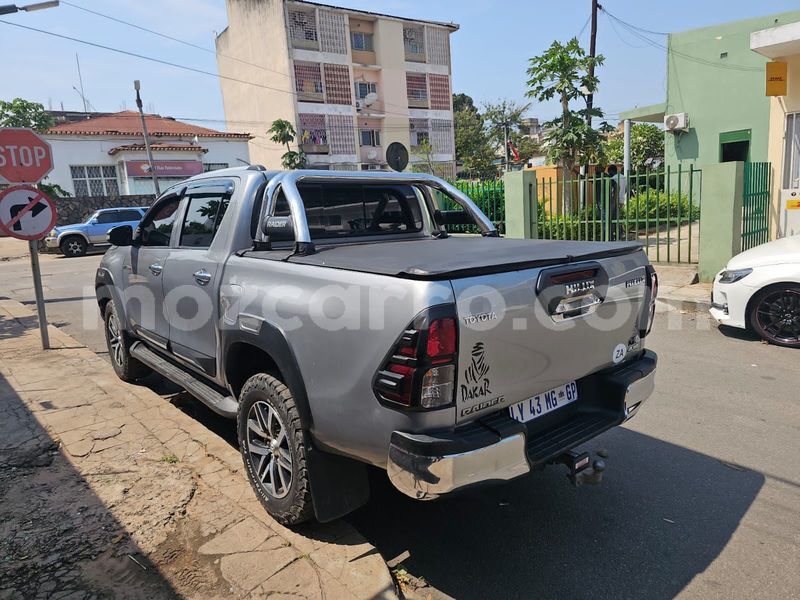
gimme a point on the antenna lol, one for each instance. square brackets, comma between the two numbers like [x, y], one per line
[80, 80]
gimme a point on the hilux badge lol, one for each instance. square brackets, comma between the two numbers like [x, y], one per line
[580, 286]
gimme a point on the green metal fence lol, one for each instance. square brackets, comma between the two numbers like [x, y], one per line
[661, 209]
[488, 194]
[755, 204]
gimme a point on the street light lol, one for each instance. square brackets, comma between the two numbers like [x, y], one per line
[12, 8]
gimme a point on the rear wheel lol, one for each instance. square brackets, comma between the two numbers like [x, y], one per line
[274, 449]
[775, 314]
[73, 246]
[119, 342]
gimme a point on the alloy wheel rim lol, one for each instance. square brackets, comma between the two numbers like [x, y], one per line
[779, 315]
[74, 247]
[114, 339]
[268, 447]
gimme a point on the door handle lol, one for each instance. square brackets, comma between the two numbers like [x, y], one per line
[202, 277]
[156, 269]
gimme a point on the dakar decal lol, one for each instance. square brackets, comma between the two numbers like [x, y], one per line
[476, 383]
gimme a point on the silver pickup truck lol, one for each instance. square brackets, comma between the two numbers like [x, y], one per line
[332, 315]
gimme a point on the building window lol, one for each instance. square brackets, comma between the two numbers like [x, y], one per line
[417, 88]
[414, 42]
[438, 42]
[341, 133]
[332, 31]
[312, 134]
[365, 87]
[370, 137]
[791, 159]
[441, 136]
[420, 133]
[308, 82]
[94, 180]
[303, 28]
[361, 41]
[214, 167]
[440, 91]
[338, 89]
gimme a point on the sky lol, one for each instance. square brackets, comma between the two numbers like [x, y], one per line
[490, 52]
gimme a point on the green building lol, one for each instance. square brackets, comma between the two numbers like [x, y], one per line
[715, 90]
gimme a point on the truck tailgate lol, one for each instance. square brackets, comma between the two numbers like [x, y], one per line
[526, 332]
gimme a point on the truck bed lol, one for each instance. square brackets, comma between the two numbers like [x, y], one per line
[455, 257]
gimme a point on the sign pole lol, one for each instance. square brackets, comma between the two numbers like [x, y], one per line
[33, 245]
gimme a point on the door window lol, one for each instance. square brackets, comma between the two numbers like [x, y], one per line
[203, 217]
[109, 216]
[128, 215]
[157, 229]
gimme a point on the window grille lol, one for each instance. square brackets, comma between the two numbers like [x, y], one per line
[303, 28]
[438, 41]
[417, 87]
[441, 136]
[338, 89]
[440, 92]
[312, 130]
[420, 132]
[414, 42]
[341, 133]
[308, 81]
[94, 180]
[332, 32]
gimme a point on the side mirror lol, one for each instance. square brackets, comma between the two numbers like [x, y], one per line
[278, 229]
[120, 236]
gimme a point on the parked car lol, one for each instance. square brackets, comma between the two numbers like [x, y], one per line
[74, 240]
[759, 290]
[334, 318]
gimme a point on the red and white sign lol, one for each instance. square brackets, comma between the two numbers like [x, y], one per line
[164, 168]
[24, 156]
[26, 213]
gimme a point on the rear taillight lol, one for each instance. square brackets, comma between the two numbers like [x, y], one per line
[420, 371]
[646, 323]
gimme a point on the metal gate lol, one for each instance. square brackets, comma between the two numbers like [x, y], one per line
[755, 204]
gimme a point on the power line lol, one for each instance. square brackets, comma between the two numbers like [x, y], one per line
[642, 29]
[169, 37]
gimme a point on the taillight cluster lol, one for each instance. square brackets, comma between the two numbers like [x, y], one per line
[420, 371]
[652, 285]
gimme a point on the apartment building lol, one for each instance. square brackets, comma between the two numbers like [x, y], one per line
[352, 82]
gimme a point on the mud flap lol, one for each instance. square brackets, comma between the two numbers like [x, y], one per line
[339, 485]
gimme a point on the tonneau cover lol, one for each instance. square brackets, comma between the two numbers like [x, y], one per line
[457, 256]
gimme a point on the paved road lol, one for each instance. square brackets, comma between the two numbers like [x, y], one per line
[701, 498]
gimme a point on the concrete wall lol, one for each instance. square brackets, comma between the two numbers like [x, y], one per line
[720, 217]
[718, 97]
[520, 204]
[256, 34]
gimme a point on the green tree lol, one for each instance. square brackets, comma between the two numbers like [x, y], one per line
[284, 134]
[474, 150]
[463, 101]
[647, 142]
[497, 114]
[562, 72]
[23, 113]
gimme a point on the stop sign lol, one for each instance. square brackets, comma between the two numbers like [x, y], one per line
[24, 156]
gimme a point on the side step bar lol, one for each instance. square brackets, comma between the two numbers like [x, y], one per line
[222, 405]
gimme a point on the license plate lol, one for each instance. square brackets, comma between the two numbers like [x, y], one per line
[541, 404]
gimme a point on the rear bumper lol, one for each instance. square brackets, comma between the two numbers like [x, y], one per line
[499, 448]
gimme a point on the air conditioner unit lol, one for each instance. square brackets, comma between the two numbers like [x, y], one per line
[359, 104]
[677, 122]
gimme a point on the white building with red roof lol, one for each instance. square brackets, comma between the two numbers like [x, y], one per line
[104, 155]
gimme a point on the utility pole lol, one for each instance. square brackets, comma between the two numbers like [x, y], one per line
[592, 54]
[505, 134]
[136, 86]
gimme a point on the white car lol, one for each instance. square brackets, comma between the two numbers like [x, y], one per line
[760, 290]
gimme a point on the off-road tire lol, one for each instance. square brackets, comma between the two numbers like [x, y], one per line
[791, 293]
[73, 246]
[295, 506]
[125, 366]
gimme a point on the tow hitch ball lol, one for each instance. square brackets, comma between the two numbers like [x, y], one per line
[580, 472]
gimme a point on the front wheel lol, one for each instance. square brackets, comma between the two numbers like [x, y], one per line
[775, 314]
[73, 246]
[119, 342]
[274, 449]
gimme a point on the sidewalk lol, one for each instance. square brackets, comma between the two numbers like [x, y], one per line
[108, 489]
[678, 288]
[11, 248]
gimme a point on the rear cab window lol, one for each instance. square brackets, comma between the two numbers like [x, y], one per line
[340, 211]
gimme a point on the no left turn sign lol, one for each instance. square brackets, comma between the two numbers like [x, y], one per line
[26, 213]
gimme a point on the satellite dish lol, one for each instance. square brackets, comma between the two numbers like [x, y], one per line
[372, 154]
[397, 156]
[370, 99]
